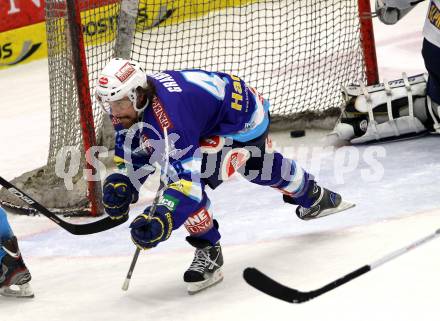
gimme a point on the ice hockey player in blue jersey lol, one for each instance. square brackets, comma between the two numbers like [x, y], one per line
[400, 108]
[202, 127]
[13, 271]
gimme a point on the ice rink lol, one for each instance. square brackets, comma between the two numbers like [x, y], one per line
[397, 201]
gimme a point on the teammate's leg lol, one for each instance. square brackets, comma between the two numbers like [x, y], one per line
[13, 271]
[5, 231]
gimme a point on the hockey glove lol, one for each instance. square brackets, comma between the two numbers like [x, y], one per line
[147, 232]
[118, 194]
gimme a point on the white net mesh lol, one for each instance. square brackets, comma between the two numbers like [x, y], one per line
[296, 53]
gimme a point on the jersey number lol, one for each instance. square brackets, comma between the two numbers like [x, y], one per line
[209, 82]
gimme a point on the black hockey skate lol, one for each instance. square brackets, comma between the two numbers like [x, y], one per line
[13, 272]
[204, 270]
[325, 203]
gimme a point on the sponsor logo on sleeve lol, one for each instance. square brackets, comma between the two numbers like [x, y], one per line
[160, 114]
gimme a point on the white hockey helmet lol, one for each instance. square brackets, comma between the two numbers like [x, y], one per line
[119, 79]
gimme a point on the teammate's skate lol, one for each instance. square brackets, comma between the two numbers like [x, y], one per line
[324, 202]
[13, 272]
[205, 269]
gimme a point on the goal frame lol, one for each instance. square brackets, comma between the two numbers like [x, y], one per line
[125, 32]
[69, 62]
[79, 62]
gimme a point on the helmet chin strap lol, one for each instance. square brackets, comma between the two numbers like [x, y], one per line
[140, 111]
[134, 97]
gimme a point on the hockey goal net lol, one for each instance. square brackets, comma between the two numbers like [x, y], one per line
[296, 53]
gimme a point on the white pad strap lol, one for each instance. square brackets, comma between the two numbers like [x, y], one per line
[410, 95]
[369, 105]
[410, 99]
[389, 94]
[431, 112]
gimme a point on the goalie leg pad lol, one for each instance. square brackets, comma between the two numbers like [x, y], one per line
[384, 111]
[404, 126]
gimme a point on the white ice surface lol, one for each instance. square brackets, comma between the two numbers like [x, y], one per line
[79, 277]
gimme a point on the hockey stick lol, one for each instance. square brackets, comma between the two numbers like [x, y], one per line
[262, 282]
[77, 229]
[150, 213]
[138, 250]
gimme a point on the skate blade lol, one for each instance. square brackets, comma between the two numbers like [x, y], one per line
[342, 207]
[24, 291]
[196, 287]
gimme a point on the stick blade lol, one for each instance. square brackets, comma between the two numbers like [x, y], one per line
[265, 284]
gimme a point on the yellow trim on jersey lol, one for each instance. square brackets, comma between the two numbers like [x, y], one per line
[188, 188]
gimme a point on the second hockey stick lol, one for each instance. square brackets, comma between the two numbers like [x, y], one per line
[77, 229]
[265, 284]
[161, 188]
[138, 250]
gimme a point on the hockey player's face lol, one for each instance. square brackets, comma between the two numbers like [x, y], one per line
[124, 111]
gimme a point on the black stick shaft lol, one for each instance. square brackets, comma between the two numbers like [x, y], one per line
[76, 229]
[138, 250]
[265, 284]
[133, 263]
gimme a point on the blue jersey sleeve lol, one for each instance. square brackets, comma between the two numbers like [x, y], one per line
[185, 190]
[130, 158]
